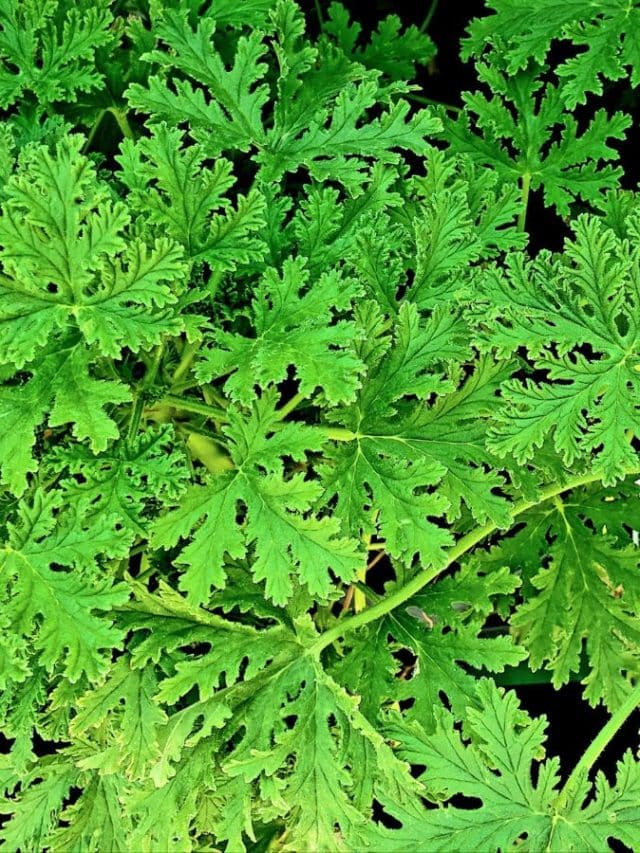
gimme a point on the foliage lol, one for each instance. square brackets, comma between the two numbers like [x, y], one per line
[308, 444]
[603, 38]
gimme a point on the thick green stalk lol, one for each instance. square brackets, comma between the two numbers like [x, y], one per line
[339, 433]
[140, 398]
[596, 747]
[319, 14]
[431, 102]
[122, 121]
[189, 352]
[93, 130]
[466, 543]
[186, 404]
[526, 186]
[290, 405]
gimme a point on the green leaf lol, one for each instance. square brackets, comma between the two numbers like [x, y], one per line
[69, 264]
[122, 481]
[494, 763]
[350, 139]
[35, 813]
[604, 33]
[329, 229]
[587, 595]
[442, 629]
[515, 131]
[295, 325]
[135, 727]
[74, 290]
[399, 450]
[459, 214]
[48, 49]
[96, 821]
[252, 13]
[392, 50]
[173, 189]
[61, 384]
[57, 609]
[164, 814]
[321, 119]
[317, 756]
[287, 538]
[589, 402]
[233, 116]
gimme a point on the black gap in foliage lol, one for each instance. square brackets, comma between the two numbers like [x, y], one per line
[573, 724]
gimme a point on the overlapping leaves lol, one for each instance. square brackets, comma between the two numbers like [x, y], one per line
[522, 131]
[320, 118]
[288, 540]
[47, 49]
[580, 591]
[493, 762]
[605, 35]
[376, 369]
[578, 318]
[75, 289]
[57, 609]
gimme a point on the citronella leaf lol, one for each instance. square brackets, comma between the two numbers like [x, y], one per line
[49, 49]
[606, 35]
[288, 538]
[584, 597]
[323, 104]
[295, 325]
[491, 130]
[496, 767]
[590, 404]
[172, 189]
[307, 425]
[440, 636]
[70, 632]
[122, 481]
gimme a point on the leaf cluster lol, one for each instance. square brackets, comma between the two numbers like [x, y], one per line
[304, 450]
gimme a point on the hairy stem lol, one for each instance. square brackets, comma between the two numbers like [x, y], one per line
[596, 747]
[186, 404]
[526, 186]
[207, 450]
[421, 99]
[290, 405]
[466, 543]
[122, 121]
[188, 354]
[93, 130]
[319, 15]
[339, 433]
[140, 398]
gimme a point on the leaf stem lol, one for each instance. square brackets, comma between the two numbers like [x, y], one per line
[526, 186]
[140, 398]
[319, 15]
[195, 406]
[93, 130]
[596, 747]
[421, 99]
[290, 405]
[429, 16]
[188, 354]
[466, 543]
[122, 121]
[339, 433]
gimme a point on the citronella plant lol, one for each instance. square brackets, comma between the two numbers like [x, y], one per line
[302, 445]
